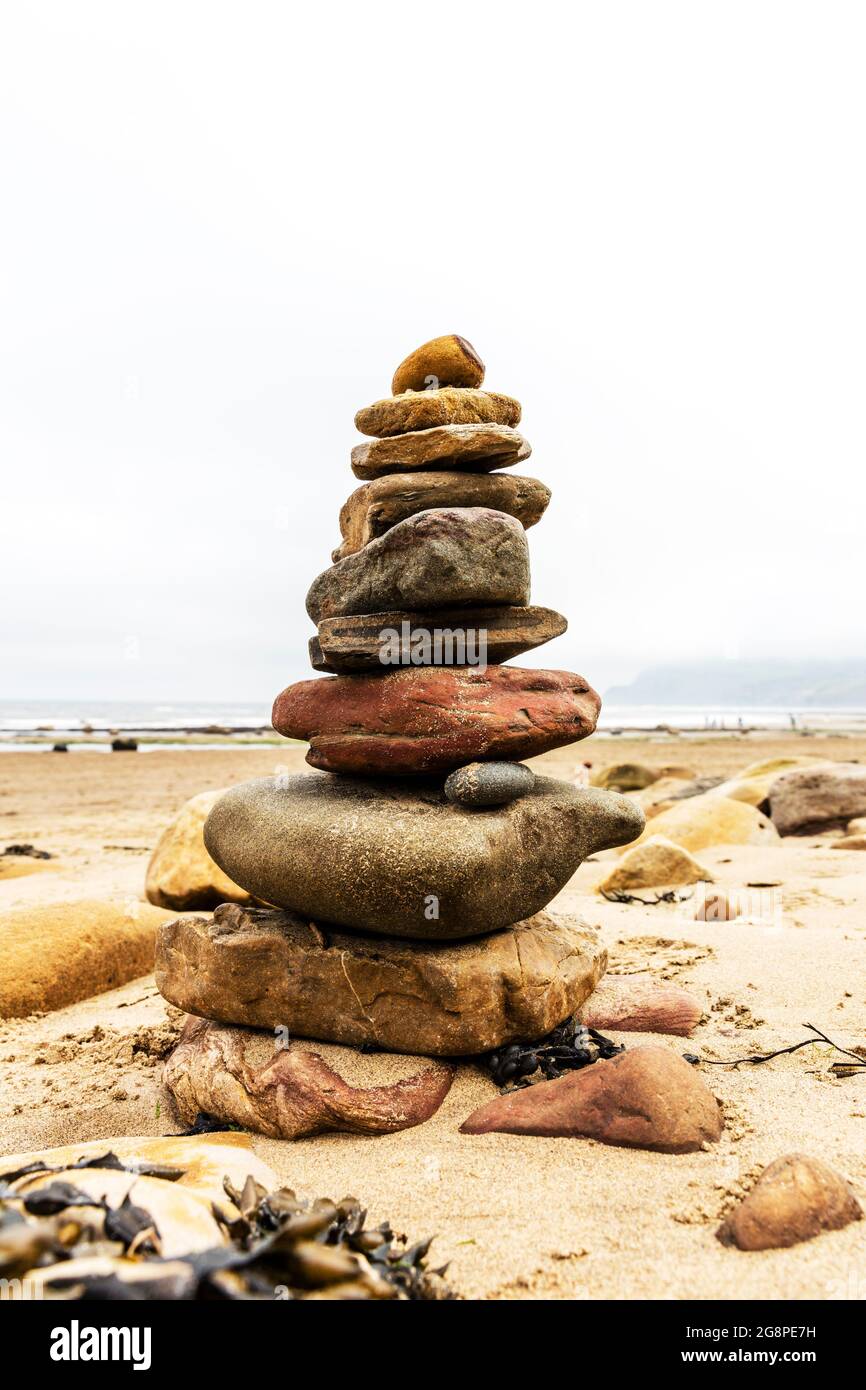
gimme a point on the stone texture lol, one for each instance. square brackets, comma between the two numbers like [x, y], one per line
[447, 557]
[181, 873]
[270, 968]
[654, 863]
[489, 784]
[237, 1075]
[819, 798]
[55, 955]
[708, 820]
[646, 1098]
[473, 449]
[355, 643]
[640, 1004]
[424, 410]
[435, 718]
[850, 842]
[857, 826]
[447, 361]
[380, 857]
[624, 777]
[796, 1198]
[373, 509]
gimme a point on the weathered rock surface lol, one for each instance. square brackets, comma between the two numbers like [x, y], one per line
[489, 784]
[653, 863]
[181, 873]
[796, 1198]
[378, 857]
[850, 842]
[368, 641]
[237, 1075]
[447, 557]
[57, 954]
[477, 449]
[435, 718]
[424, 410]
[646, 1098]
[708, 820]
[624, 777]
[447, 361]
[640, 1004]
[374, 508]
[810, 799]
[270, 968]
[857, 826]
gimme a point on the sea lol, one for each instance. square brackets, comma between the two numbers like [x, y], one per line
[39, 724]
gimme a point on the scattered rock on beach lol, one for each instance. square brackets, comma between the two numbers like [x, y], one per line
[57, 954]
[377, 855]
[857, 826]
[624, 777]
[446, 361]
[715, 905]
[641, 1004]
[708, 820]
[794, 1199]
[819, 798]
[489, 784]
[446, 557]
[850, 842]
[653, 863]
[646, 1098]
[429, 719]
[239, 1076]
[270, 968]
[424, 410]
[181, 874]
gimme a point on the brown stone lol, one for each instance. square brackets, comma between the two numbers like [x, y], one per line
[356, 643]
[640, 1004]
[424, 410]
[450, 557]
[181, 874]
[818, 798]
[434, 718]
[374, 508]
[399, 859]
[794, 1199]
[654, 863]
[646, 1098]
[288, 1092]
[447, 361]
[475, 448]
[270, 968]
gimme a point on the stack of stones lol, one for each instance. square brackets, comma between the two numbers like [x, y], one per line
[408, 874]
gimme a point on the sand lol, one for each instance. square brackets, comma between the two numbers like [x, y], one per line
[516, 1217]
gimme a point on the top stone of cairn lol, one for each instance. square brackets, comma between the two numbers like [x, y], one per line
[446, 361]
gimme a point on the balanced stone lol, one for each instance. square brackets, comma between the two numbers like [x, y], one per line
[415, 719]
[271, 968]
[447, 557]
[489, 784]
[394, 860]
[450, 405]
[365, 641]
[446, 361]
[478, 448]
[374, 508]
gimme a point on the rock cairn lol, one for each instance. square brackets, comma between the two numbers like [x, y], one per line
[408, 874]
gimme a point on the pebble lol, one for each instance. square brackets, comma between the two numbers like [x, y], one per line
[489, 784]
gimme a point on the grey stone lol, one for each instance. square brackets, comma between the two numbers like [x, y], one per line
[489, 784]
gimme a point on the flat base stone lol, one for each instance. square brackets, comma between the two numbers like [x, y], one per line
[270, 968]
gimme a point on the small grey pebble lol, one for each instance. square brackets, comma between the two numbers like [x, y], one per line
[488, 784]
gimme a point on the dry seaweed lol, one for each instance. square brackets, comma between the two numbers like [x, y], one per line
[568, 1047]
[839, 1068]
[670, 895]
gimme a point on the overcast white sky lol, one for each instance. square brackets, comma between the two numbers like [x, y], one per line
[224, 224]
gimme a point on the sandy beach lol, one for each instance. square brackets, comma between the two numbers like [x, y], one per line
[515, 1217]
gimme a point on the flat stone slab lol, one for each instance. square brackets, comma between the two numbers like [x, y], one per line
[356, 642]
[479, 448]
[397, 860]
[443, 558]
[424, 719]
[377, 506]
[268, 969]
[424, 410]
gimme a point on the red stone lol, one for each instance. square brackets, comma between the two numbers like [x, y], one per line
[647, 1098]
[434, 718]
